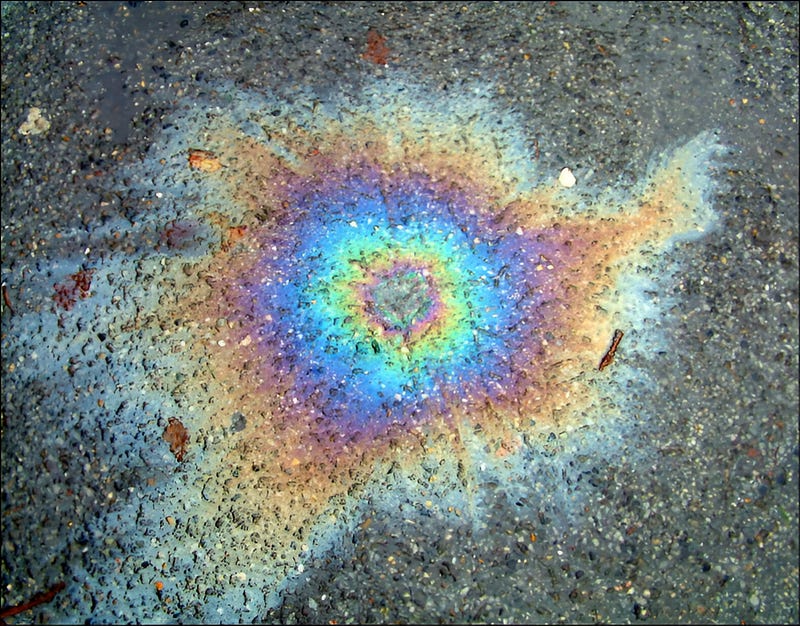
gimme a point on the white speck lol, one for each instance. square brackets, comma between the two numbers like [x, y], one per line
[566, 178]
[300, 568]
[354, 224]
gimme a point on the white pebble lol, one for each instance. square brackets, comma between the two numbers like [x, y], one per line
[566, 178]
[36, 123]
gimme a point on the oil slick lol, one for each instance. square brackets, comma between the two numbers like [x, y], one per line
[379, 283]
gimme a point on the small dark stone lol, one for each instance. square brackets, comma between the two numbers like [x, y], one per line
[573, 595]
[238, 422]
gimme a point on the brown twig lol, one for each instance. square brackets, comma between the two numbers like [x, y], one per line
[39, 598]
[608, 357]
[7, 300]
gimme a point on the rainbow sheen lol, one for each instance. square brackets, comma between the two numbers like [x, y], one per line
[378, 297]
[387, 271]
[389, 302]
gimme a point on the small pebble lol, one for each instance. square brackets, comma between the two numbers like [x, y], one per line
[35, 124]
[566, 178]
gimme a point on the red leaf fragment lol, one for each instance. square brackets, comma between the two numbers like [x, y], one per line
[377, 51]
[203, 160]
[78, 286]
[178, 438]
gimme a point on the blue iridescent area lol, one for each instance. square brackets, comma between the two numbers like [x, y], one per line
[441, 320]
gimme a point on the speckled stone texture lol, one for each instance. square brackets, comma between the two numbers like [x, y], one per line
[135, 487]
